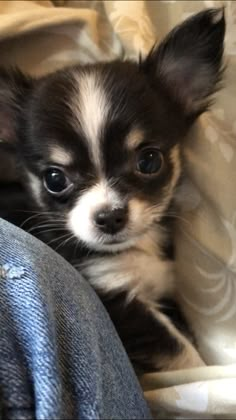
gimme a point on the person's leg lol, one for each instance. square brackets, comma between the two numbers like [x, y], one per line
[60, 356]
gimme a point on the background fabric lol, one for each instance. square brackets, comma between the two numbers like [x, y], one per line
[41, 36]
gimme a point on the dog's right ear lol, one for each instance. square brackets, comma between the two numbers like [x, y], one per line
[14, 90]
[188, 63]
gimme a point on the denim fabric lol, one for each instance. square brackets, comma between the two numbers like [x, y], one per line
[60, 356]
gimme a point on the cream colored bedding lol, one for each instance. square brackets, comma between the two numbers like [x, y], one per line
[41, 36]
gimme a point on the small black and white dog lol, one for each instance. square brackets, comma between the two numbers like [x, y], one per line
[99, 147]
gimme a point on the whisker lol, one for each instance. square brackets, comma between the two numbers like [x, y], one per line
[58, 238]
[176, 216]
[61, 220]
[46, 225]
[37, 212]
[44, 231]
[76, 246]
[65, 242]
[28, 219]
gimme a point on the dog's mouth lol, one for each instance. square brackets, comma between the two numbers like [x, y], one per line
[114, 241]
[114, 245]
[118, 242]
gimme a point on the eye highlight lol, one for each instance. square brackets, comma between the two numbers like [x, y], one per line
[56, 182]
[149, 161]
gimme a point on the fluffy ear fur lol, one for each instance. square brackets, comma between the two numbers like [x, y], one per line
[14, 88]
[188, 63]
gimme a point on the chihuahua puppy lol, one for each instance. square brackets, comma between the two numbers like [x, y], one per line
[99, 149]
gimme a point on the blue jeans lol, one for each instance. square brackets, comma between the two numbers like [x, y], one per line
[60, 356]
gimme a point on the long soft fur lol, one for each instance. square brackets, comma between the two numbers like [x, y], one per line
[99, 154]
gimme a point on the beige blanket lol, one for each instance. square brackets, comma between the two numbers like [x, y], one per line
[40, 36]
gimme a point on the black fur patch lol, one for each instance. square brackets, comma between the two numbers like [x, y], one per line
[146, 340]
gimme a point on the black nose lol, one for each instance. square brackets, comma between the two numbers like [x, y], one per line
[111, 221]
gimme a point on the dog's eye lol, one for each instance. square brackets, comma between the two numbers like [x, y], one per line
[149, 161]
[56, 182]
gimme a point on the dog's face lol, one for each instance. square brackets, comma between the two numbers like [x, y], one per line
[100, 144]
[103, 152]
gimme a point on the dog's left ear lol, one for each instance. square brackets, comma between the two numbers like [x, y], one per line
[187, 65]
[14, 90]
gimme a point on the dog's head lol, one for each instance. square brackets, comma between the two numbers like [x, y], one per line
[100, 144]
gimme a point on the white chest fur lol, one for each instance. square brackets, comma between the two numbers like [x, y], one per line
[140, 270]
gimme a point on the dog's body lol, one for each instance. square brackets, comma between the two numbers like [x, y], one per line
[100, 152]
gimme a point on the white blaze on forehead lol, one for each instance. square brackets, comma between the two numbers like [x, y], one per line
[80, 219]
[90, 106]
[60, 156]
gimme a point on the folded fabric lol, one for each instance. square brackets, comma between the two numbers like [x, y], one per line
[41, 36]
